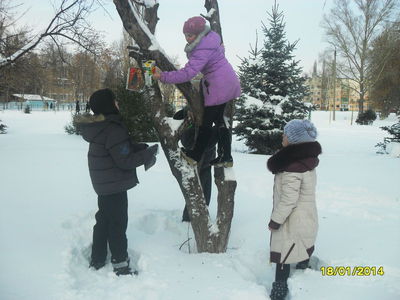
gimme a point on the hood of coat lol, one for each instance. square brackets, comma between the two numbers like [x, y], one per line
[92, 125]
[298, 158]
[205, 40]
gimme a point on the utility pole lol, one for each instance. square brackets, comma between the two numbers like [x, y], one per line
[334, 86]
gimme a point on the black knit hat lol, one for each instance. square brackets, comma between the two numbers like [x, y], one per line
[103, 102]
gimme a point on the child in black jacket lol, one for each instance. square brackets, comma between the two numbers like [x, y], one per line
[209, 154]
[113, 160]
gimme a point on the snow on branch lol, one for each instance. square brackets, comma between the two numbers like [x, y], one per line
[146, 3]
[155, 46]
[8, 60]
[209, 14]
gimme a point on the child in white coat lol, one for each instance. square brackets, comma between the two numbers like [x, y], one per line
[294, 219]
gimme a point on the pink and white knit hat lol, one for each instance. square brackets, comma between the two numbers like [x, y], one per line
[194, 25]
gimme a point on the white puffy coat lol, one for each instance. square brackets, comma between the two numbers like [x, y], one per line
[294, 207]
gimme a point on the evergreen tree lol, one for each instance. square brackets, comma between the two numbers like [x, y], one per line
[272, 88]
[134, 110]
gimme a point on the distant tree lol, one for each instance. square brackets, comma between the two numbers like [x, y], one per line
[54, 78]
[273, 89]
[351, 32]
[385, 92]
[68, 24]
[21, 70]
[84, 73]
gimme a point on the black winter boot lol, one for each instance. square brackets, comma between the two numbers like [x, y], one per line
[194, 156]
[303, 265]
[96, 265]
[279, 290]
[224, 158]
[123, 268]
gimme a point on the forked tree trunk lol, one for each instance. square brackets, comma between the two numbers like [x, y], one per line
[210, 237]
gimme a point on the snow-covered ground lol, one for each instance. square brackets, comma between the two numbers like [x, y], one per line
[48, 206]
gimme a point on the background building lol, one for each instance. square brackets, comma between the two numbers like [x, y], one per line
[322, 94]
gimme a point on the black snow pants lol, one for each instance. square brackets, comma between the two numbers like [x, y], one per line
[111, 225]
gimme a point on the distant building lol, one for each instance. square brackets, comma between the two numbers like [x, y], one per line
[346, 95]
[34, 101]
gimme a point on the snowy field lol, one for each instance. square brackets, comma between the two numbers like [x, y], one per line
[48, 206]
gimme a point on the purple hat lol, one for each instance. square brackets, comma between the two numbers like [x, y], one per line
[194, 25]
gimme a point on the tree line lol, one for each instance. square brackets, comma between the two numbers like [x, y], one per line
[365, 34]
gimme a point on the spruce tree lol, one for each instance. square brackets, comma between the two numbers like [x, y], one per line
[134, 112]
[272, 87]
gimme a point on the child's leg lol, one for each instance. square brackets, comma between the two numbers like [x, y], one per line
[206, 182]
[282, 272]
[204, 134]
[279, 287]
[303, 264]
[224, 142]
[211, 115]
[100, 232]
[117, 214]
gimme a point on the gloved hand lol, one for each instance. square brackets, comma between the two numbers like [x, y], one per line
[151, 162]
[136, 147]
[153, 149]
[272, 225]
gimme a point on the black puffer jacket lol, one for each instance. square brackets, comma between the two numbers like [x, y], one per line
[112, 157]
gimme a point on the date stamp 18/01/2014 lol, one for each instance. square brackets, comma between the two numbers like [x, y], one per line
[352, 271]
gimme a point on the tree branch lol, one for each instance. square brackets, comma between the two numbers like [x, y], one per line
[68, 22]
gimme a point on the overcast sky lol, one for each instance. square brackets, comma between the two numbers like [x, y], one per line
[239, 19]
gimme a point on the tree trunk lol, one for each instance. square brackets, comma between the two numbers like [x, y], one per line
[361, 100]
[209, 237]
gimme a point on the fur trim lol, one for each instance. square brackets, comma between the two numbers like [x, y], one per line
[295, 158]
[190, 47]
[90, 118]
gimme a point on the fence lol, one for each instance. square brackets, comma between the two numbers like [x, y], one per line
[39, 106]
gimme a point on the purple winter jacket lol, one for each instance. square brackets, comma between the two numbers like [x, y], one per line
[220, 83]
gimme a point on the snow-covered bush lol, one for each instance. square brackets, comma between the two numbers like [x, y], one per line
[394, 138]
[73, 128]
[366, 118]
[3, 128]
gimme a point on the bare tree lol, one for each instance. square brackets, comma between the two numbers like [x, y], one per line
[210, 237]
[68, 24]
[385, 93]
[84, 73]
[351, 33]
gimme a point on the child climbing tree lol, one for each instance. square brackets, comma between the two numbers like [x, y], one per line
[140, 20]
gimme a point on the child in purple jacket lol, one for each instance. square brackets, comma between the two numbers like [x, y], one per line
[219, 85]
